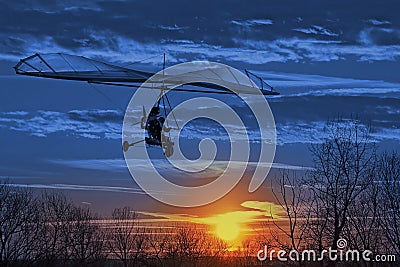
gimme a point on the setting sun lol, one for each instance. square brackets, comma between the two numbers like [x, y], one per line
[229, 226]
[227, 230]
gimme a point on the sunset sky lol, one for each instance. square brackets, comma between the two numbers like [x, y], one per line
[326, 58]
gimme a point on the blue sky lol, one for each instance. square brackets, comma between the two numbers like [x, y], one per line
[326, 58]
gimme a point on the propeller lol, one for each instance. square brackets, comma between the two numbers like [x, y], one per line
[126, 145]
[142, 121]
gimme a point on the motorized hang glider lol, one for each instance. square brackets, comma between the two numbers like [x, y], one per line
[79, 68]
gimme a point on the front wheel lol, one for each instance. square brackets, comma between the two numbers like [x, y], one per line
[169, 150]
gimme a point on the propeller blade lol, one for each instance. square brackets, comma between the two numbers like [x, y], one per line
[126, 145]
[144, 112]
[144, 119]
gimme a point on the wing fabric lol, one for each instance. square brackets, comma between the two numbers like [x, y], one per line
[70, 67]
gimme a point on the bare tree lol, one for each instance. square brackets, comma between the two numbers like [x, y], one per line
[56, 210]
[158, 239]
[318, 222]
[85, 236]
[185, 245]
[216, 251]
[344, 168]
[126, 240]
[29, 241]
[18, 225]
[190, 245]
[291, 198]
[389, 175]
[363, 229]
[244, 256]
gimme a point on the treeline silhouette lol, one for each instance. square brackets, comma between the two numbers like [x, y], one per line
[352, 193]
[50, 230]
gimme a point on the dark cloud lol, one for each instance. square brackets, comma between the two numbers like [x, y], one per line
[92, 124]
[99, 25]
[316, 30]
[383, 36]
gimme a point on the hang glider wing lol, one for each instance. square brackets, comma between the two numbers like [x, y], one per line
[218, 76]
[69, 67]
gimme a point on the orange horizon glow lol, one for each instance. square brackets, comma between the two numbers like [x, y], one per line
[232, 226]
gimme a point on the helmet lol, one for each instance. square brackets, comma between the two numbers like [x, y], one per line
[155, 110]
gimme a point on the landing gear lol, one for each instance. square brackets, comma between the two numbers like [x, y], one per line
[156, 128]
[168, 146]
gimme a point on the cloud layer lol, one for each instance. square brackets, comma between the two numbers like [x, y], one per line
[214, 31]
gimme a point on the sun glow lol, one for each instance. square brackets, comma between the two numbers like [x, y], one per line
[232, 227]
[227, 230]
[228, 226]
